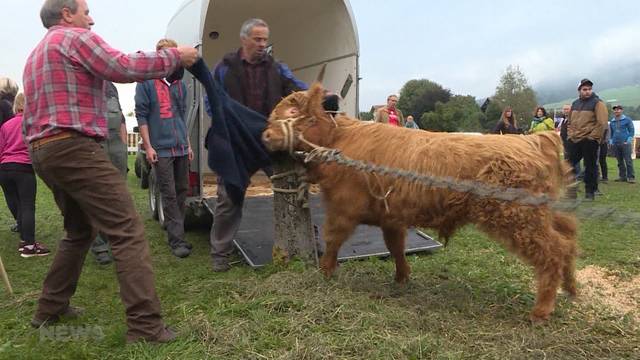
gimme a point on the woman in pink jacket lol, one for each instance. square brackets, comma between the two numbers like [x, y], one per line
[18, 178]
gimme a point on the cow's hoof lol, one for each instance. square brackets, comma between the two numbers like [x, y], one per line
[328, 273]
[402, 278]
[571, 292]
[538, 318]
[328, 267]
[402, 273]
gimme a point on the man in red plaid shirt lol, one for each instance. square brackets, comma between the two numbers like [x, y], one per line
[64, 118]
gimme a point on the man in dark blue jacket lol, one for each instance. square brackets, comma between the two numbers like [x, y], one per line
[161, 115]
[622, 133]
[255, 79]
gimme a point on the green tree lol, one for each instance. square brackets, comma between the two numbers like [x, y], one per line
[630, 112]
[365, 115]
[514, 90]
[460, 113]
[492, 116]
[420, 96]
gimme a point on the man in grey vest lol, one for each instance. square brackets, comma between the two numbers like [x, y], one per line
[251, 76]
[116, 147]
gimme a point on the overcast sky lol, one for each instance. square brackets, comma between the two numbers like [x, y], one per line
[465, 45]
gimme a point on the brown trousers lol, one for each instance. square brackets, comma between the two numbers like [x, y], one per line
[93, 196]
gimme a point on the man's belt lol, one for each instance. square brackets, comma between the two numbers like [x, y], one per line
[36, 144]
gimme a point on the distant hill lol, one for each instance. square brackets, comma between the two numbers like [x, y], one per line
[626, 95]
[613, 75]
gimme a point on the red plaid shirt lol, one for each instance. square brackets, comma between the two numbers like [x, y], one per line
[64, 86]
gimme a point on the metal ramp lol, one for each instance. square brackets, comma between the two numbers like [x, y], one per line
[254, 239]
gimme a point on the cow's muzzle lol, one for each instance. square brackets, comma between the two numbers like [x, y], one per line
[272, 139]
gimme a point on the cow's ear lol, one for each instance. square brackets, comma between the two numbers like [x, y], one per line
[315, 96]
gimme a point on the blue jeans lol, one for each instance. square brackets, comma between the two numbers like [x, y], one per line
[625, 164]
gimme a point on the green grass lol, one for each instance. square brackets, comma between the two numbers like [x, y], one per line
[470, 300]
[626, 95]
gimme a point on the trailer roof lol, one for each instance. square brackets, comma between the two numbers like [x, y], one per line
[304, 35]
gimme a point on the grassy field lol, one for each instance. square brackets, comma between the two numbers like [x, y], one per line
[626, 95]
[468, 301]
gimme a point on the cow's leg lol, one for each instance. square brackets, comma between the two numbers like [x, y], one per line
[542, 247]
[336, 230]
[565, 225]
[548, 277]
[394, 238]
[568, 276]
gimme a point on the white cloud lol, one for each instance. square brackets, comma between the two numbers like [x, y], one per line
[616, 44]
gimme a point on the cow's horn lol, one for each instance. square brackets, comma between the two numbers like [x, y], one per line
[320, 77]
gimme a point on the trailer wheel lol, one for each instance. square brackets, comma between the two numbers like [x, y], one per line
[155, 199]
[138, 168]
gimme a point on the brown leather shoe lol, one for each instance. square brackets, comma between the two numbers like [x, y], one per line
[71, 312]
[165, 336]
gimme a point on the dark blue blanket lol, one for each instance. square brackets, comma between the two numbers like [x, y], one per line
[233, 141]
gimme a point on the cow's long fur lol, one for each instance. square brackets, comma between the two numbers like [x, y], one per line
[540, 236]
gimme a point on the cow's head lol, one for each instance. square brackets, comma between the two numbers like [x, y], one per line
[299, 119]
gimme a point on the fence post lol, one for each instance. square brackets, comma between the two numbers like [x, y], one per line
[294, 234]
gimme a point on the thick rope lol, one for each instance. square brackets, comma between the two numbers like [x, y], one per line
[289, 132]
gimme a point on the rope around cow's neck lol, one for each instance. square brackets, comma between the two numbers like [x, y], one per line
[289, 132]
[289, 137]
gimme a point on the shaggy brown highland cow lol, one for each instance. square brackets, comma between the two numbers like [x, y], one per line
[539, 235]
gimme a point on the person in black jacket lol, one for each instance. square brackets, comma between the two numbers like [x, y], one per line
[566, 110]
[507, 123]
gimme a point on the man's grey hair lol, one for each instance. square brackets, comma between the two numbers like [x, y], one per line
[51, 11]
[248, 25]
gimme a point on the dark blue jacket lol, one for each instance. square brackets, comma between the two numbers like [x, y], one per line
[168, 135]
[234, 139]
